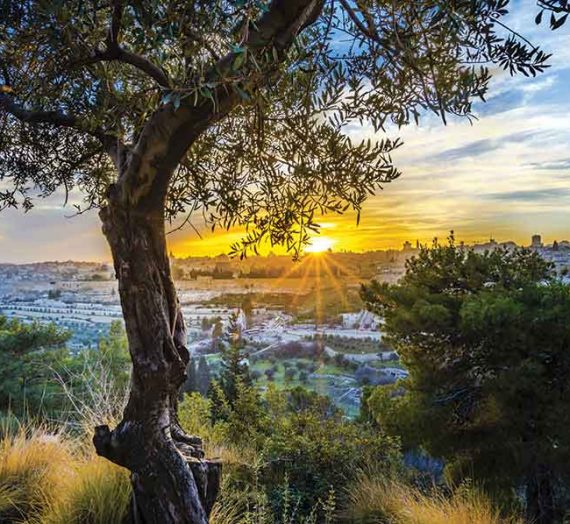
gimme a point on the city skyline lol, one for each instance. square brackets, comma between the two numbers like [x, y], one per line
[536, 240]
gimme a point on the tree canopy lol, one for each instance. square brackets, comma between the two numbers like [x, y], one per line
[252, 110]
[485, 338]
[29, 356]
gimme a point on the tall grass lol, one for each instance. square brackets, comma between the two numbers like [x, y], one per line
[47, 478]
[33, 469]
[98, 492]
[374, 500]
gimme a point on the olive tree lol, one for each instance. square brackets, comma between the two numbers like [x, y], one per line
[237, 110]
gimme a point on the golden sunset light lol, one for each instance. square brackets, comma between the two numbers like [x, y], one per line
[320, 244]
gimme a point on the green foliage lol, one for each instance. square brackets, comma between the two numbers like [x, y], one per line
[234, 366]
[19, 338]
[297, 448]
[30, 357]
[203, 376]
[315, 449]
[195, 413]
[558, 9]
[113, 355]
[485, 338]
[191, 383]
[40, 378]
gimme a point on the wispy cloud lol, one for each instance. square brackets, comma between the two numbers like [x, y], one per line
[483, 146]
[537, 195]
[559, 165]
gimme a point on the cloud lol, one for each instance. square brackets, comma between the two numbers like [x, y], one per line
[500, 103]
[559, 165]
[538, 195]
[483, 146]
[45, 234]
[507, 175]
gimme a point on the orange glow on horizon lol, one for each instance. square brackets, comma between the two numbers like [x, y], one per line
[341, 234]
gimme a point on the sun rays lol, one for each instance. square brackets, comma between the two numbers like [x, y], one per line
[323, 279]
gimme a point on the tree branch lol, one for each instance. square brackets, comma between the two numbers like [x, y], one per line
[557, 6]
[357, 22]
[169, 132]
[55, 118]
[112, 144]
[122, 55]
[116, 22]
[114, 51]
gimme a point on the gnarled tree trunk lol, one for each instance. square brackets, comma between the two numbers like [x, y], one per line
[172, 484]
[171, 481]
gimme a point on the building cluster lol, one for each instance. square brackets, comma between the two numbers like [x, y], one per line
[62, 273]
[361, 320]
[558, 252]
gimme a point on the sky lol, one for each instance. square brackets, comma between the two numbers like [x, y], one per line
[506, 176]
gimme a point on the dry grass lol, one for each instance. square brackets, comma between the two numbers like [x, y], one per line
[46, 478]
[225, 514]
[386, 502]
[98, 492]
[98, 401]
[33, 469]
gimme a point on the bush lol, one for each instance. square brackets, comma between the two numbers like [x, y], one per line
[290, 374]
[313, 448]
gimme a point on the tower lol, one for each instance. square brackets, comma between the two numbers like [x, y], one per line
[536, 242]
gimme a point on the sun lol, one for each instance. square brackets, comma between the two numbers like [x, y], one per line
[320, 244]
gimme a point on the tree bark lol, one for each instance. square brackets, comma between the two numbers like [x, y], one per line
[540, 497]
[172, 483]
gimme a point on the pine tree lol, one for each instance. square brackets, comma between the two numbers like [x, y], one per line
[485, 339]
[203, 376]
[235, 368]
[191, 385]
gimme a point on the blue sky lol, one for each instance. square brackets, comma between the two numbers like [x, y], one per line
[507, 175]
